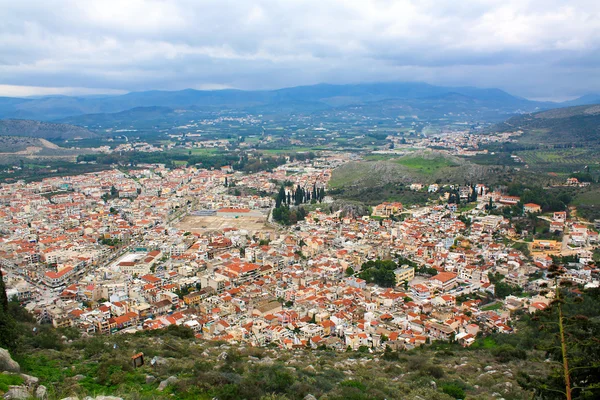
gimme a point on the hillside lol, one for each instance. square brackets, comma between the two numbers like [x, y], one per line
[179, 367]
[24, 145]
[44, 130]
[304, 99]
[568, 126]
[385, 178]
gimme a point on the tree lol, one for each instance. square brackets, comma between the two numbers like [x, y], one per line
[568, 331]
[349, 271]
[8, 326]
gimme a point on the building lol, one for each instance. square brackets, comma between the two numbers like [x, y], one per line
[55, 279]
[532, 208]
[386, 209]
[404, 274]
[444, 280]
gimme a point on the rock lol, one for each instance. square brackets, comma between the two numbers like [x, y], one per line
[166, 383]
[71, 398]
[266, 361]
[7, 363]
[150, 379]
[17, 392]
[158, 361]
[41, 393]
[488, 368]
[222, 356]
[309, 397]
[30, 381]
[108, 398]
[310, 369]
[79, 377]
[433, 385]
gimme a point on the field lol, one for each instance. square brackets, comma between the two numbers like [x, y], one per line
[559, 160]
[588, 204]
[426, 165]
[216, 223]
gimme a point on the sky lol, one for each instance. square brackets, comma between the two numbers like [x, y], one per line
[539, 49]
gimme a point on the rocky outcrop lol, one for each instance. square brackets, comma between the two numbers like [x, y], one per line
[41, 393]
[17, 393]
[167, 382]
[7, 363]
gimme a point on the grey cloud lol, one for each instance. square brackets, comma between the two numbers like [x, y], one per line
[535, 48]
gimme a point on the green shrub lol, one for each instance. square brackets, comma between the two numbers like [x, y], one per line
[454, 389]
[355, 384]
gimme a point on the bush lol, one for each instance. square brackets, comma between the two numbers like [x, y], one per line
[506, 352]
[355, 384]
[434, 371]
[454, 389]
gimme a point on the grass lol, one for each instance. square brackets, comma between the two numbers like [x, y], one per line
[492, 307]
[380, 157]
[9, 380]
[424, 165]
[290, 149]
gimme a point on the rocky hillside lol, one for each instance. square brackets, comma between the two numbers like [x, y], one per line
[45, 130]
[570, 126]
[183, 368]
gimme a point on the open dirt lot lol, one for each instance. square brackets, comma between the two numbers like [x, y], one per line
[213, 223]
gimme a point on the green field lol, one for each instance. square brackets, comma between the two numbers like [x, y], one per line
[425, 165]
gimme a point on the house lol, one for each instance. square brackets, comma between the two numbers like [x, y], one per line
[559, 216]
[532, 208]
[420, 291]
[55, 279]
[444, 280]
[387, 209]
[509, 200]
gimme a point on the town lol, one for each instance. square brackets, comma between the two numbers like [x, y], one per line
[123, 250]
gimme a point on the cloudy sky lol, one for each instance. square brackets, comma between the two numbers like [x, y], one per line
[542, 49]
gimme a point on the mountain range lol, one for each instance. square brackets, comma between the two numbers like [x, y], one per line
[302, 99]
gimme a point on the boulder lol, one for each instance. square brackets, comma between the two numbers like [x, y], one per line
[309, 397]
[30, 381]
[167, 382]
[150, 379]
[79, 377]
[17, 393]
[108, 398]
[41, 393]
[7, 363]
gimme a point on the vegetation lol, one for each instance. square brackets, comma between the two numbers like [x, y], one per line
[380, 272]
[510, 365]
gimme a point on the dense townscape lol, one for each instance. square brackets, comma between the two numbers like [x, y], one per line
[124, 250]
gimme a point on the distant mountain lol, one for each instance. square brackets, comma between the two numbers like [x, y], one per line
[569, 125]
[301, 99]
[583, 100]
[43, 130]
